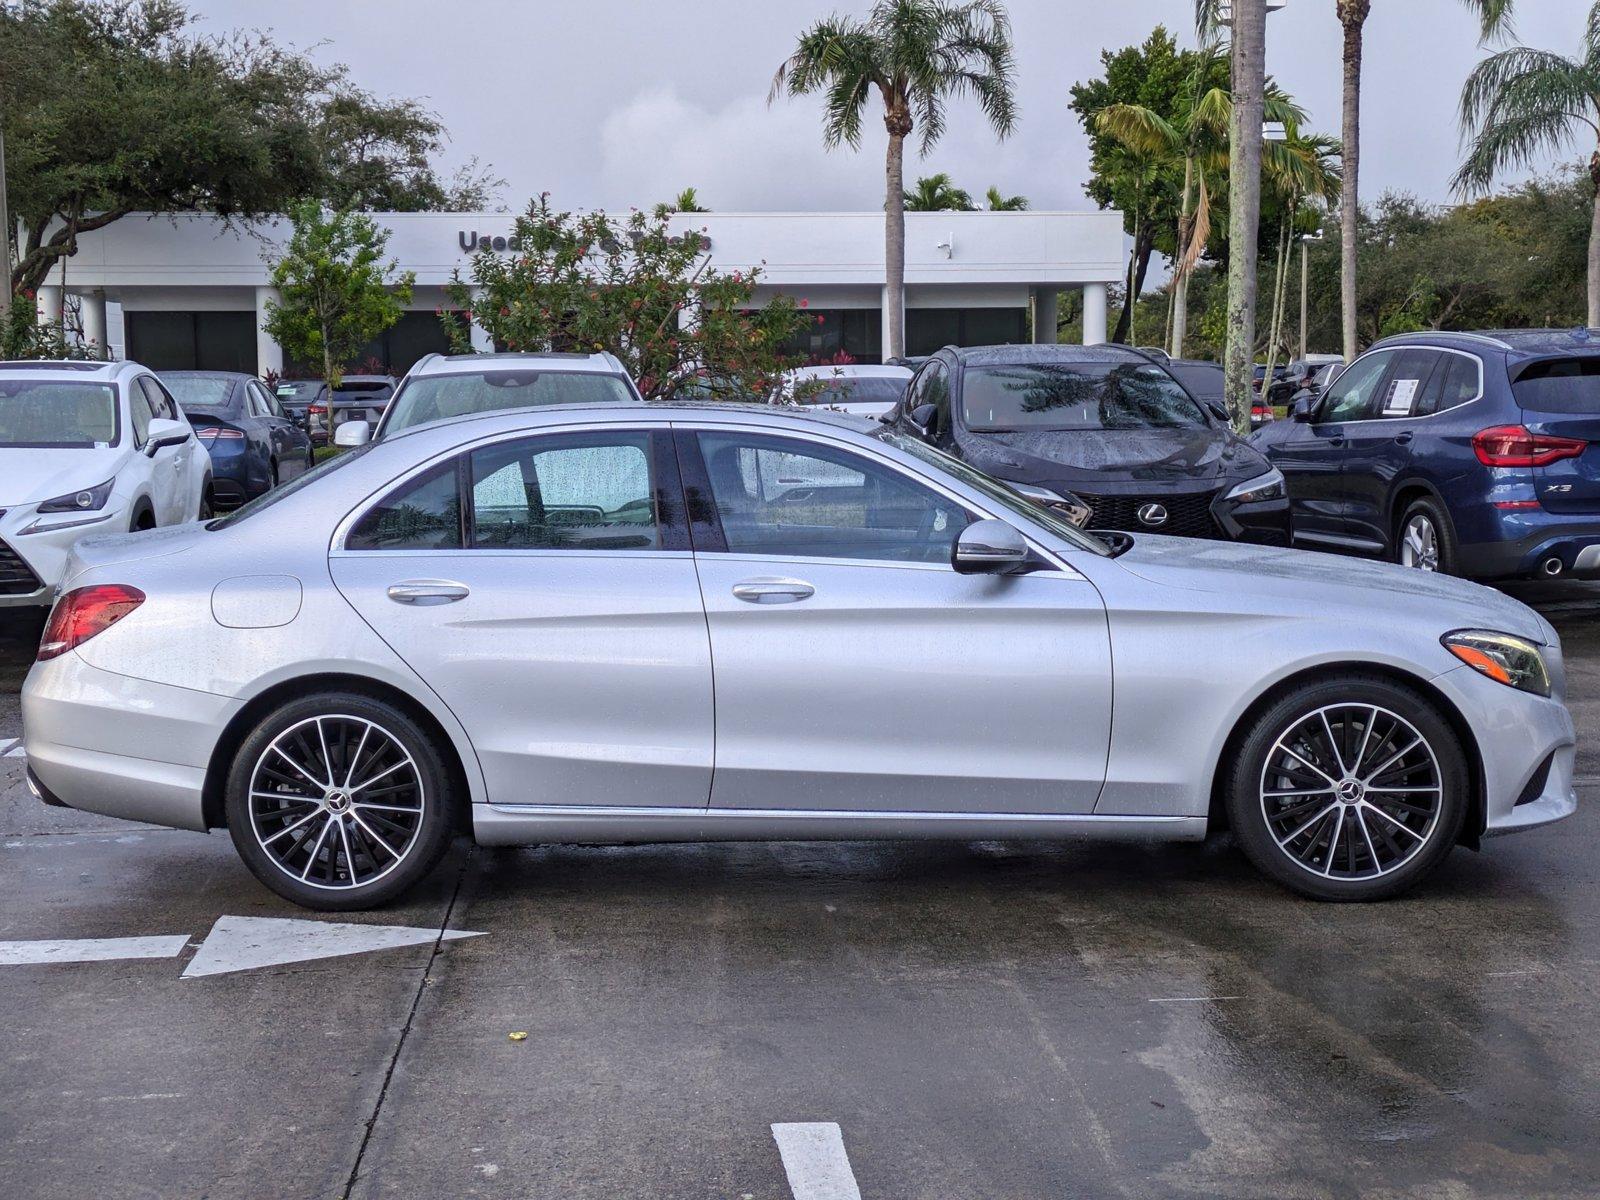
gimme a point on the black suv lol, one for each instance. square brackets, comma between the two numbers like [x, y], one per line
[1105, 425]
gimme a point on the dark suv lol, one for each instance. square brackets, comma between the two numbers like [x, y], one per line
[1107, 426]
[1476, 454]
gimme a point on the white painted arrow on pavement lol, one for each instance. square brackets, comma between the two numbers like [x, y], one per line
[247, 943]
[69, 950]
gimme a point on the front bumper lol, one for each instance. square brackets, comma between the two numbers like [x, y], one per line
[31, 564]
[107, 743]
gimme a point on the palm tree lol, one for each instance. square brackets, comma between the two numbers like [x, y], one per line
[916, 54]
[1522, 101]
[1195, 137]
[938, 193]
[999, 202]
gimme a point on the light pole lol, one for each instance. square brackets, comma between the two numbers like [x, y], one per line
[5, 236]
[1305, 292]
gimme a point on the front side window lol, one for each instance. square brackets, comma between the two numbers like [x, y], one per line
[50, 414]
[435, 397]
[799, 499]
[566, 492]
[1076, 396]
[421, 514]
[1354, 397]
[140, 411]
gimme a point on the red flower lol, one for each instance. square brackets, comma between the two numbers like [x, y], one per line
[805, 304]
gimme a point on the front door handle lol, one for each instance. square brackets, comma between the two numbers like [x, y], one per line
[773, 591]
[1403, 439]
[1336, 440]
[428, 591]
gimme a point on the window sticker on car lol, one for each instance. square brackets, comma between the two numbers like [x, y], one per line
[1402, 397]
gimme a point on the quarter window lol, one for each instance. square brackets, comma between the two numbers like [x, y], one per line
[421, 514]
[566, 492]
[798, 499]
[1458, 381]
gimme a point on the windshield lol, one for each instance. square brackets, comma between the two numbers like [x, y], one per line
[1076, 396]
[50, 413]
[199, 392]
[1568, 385]
[996, 491]
[434, 397]
[860, 389]
[284, 490]
[297, 390]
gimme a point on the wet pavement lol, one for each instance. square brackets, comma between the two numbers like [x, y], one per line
[979, 1020]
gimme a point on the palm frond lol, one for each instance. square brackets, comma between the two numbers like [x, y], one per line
[1519, 103]
[1513, 142]
[1494, 16]
[1140, 129]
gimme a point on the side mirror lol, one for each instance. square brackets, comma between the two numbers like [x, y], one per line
[989, 548]
[352, 433]
[1302, 408]
[1218, 409]
[922, 418]
[163, 433]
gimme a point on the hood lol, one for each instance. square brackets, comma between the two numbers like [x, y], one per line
[1294, 579]
[29, 476]
[1089, 457]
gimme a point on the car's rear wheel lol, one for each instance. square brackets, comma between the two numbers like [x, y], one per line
[208, 505]
[339, 801]
[1426, 541]
[1349, 788]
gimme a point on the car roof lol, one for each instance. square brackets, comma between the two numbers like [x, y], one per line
[1517, 344]
[456, 364]
[104, 372]
[851, 370]
[622, 411]
[1016, 355]
[236, 375]
[366, 379]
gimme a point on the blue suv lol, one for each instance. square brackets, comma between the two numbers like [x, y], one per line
[1476, 454]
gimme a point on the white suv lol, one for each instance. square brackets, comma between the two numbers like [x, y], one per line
[86, 448]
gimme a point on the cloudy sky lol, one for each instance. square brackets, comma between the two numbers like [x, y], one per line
[607, 103]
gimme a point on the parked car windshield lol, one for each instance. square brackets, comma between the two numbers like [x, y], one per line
[47, 413]
[996, 491]
[298, 391]
[435, 397]
[859, 389]
[200, 394]
[1568, 385]
[1076, 396]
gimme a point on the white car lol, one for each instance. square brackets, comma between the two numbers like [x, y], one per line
[87, 448]
[867, 390]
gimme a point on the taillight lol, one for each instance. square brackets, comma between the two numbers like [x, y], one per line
[212, 434]
[84, 612]
[316, 408]
[1518, 446]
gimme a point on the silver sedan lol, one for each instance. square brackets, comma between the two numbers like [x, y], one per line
[637, 623]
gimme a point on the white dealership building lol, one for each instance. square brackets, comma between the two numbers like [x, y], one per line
[190, 291]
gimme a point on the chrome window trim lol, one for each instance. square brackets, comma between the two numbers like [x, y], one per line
[1427, 416]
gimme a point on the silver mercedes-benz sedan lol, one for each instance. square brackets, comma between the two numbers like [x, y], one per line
[643, 623]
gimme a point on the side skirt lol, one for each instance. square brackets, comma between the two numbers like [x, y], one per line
[531, 824]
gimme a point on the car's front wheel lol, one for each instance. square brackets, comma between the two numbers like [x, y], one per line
[339, 801]
[1349, 788]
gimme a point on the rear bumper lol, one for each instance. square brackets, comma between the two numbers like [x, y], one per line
[122, 747]
[1530, 538]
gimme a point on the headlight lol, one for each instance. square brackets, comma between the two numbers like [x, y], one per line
[1513, 661]
[1263, 487]
[88, 500]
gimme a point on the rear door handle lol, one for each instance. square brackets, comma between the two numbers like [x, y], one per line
[1336, 440]
[1404, 439]
[773, 591]
[428, 591]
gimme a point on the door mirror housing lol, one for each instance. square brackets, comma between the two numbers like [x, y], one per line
[990, 548]
[164, 432]
[922, 418]
[1303, 407]
[1218, 409]
[352, 433]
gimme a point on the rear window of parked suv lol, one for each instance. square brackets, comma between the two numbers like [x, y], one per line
[1567, 385]
[435, 397]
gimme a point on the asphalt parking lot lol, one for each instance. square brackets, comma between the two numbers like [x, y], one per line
[978, 1020]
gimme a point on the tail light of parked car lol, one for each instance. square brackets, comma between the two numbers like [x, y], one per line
[317, 409]
[84, 612]
[210, 433]
[1518, 446]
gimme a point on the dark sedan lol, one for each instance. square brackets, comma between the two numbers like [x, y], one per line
[1104, 426]
[254, 445]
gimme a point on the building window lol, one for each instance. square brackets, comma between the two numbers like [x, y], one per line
[192, 341]
[931, 329]
[856, 332]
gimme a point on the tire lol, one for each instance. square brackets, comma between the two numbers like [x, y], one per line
[1384, 840]
[143, 520]
[1425, 539]
[208, 506]
[376, 848]
[276, 478]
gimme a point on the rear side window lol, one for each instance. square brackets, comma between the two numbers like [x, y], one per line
[422, 514]
[1567, 385]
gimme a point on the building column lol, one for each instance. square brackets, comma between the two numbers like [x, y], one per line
[1046, 316]
[1094, 314]
[269, 355]
[50, 304]
[93, 307]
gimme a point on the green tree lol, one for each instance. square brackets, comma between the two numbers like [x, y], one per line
[938, 193]
[337, 293]
[916, 55]
[1521, 102]
[636, 288]
[998, 201]
[110, 108]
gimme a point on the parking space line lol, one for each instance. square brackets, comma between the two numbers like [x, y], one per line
[12, 748]
[815, 1161]
[65, 950]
